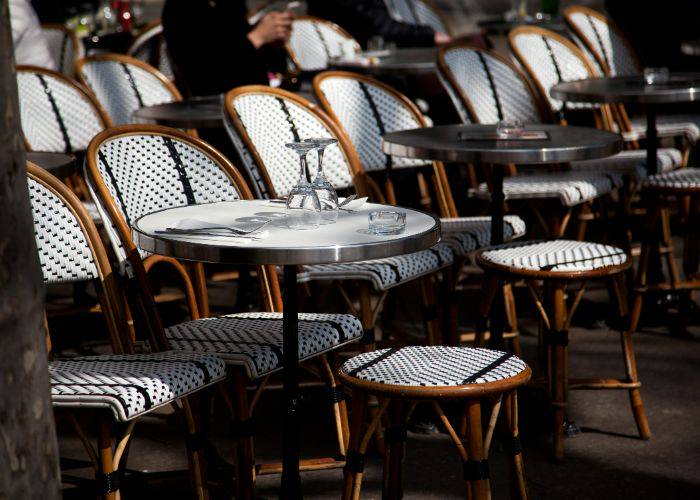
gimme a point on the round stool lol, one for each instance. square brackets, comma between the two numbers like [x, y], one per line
[402, 377]
[558, 264]
[657, 239]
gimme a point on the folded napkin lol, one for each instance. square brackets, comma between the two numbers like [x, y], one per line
[221, 228]
[355, 204]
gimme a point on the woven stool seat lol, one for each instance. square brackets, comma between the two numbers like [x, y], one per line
[132, 384]
[254, 340]
[632, 163]
[467, 234]
[414, 369]
[683, 180]
[555, 258]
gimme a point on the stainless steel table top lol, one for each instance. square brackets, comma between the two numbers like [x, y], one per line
[197, 112]
[681, 87]
[347, 240]
[401, 61]
[59, 164]
[565, 144]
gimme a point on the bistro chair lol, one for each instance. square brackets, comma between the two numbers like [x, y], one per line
[549, 58]
[149, 46]
[489, 88]
[558, 265]
[260, 121]
[64, 46]
[615, 55]
[403, 377]
[117, 389]
[124, 84]
[366, 109]
[418, 12]
[315, 41]
[133, 170]
[659, 190]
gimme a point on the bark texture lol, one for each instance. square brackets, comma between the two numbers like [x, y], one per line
[28, 448]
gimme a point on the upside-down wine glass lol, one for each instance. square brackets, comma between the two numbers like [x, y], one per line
[303, 205]
[322, 186]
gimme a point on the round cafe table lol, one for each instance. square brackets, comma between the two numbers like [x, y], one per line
[465, 143]
[58, 164]
[633, 89]
[391, 62]
[345, 241]
[197, 112]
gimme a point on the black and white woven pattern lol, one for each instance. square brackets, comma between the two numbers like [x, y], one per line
[313, 43]
[142, 176]
[55, 115]
[570, 188]
[150, 47]
[433, 366]
[606, 42]
[415, 12]
[123, 88]
[384, 273]
[64, 253]
[254, 340]
[631, 163]
[366, 112]
[551, 62]
[62, 49]
[495, 92]
[683, 179]
[270, 122]
[687, 126]
[131, 385]
[467, 234]
[555, 256]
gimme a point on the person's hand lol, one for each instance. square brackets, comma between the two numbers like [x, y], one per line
[271, 28]
[442, 38]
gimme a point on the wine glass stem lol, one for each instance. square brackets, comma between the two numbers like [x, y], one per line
[319, 172]
[303, 170]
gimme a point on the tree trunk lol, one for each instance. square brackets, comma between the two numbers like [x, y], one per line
[28, 447]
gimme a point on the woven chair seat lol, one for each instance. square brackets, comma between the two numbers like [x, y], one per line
[131, 385]
[467, 234]
[383, 273]
[684, 179]
[553, 256]
[570, 188]
[687, 126]
[433, 366]
[254, 340]
[632, 163]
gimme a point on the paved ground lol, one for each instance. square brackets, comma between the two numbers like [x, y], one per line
[606, 461]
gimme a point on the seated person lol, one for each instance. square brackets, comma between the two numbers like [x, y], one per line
[214, 49]
[364, 19]
[30, 45]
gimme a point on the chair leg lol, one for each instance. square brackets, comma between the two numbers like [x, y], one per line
[339, 407]
[489, 289]
[518, 487]
[451, 299]
[395, 436]
[368, 342]
[110, 483]
[195, 452]
[512, 316]
[200, 284]
[630, 360]
[648, 240]
[430, 315]
[245, 462]
[558, 338]
[476, 467]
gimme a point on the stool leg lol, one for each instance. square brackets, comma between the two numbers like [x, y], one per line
[518, 487]
[477, 466]
[512, 316]
[245, 461]
[630, 360]
[648, 240]
[430, 315]
[395, 436]
[104, 440]
[489, 290]
[558, 374]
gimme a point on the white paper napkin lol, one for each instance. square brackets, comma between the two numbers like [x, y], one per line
[216, 227]
[355, 204]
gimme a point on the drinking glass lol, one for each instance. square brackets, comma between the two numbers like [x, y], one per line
[323, 188]
[303, 205]
[509, 128]
[654, 76]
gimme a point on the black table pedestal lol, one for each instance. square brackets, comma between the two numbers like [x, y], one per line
[652, 140]
[291, 444]
[496, 320]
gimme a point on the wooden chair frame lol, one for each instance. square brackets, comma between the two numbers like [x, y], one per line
[68, 33]
[112, 458]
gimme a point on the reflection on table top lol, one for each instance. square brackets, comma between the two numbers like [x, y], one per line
[680, 87]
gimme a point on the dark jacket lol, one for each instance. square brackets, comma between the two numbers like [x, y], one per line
[207, 41]
[364, 19]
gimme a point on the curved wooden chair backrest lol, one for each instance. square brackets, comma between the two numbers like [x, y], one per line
[58, 114]
[419, 12]
[149, 46]
[64, 45]
[125, 84]
[315, 41]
